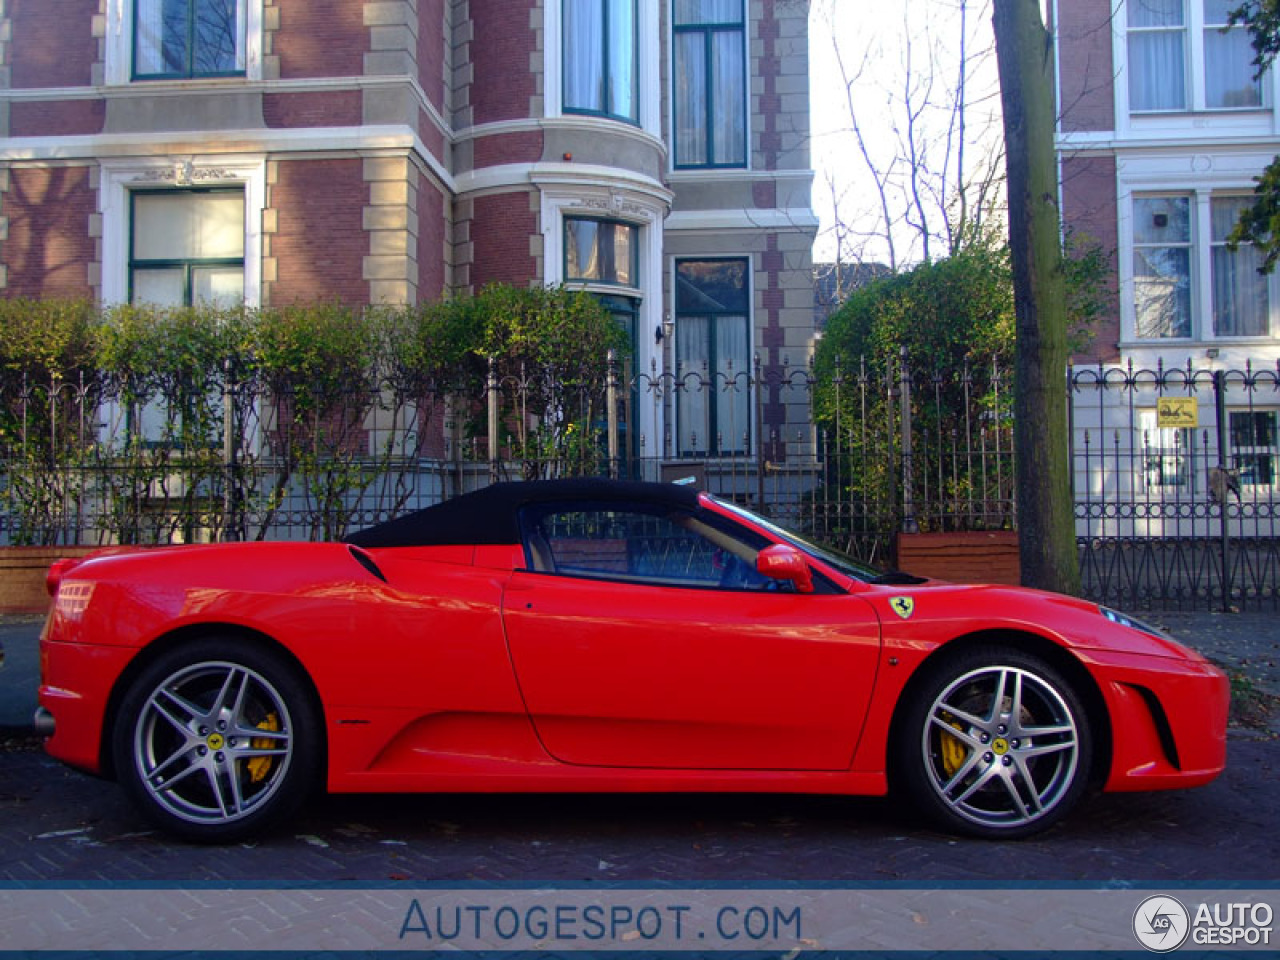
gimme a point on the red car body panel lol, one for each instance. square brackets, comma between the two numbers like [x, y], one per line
[459, 670]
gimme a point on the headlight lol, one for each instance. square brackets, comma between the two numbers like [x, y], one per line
[1115, 616]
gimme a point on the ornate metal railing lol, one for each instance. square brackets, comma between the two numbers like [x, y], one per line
[1175, 471]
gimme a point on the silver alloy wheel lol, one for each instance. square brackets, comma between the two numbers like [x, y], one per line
[213, 743]
[1001, 746]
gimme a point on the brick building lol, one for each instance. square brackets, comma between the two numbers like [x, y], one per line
[1162, 130]
[652, 151]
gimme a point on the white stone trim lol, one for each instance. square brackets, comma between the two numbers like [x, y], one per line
[121, 175]
[119, 42]
[510, 176]
[796, 218]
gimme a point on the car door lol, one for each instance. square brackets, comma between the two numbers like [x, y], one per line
[644, 638]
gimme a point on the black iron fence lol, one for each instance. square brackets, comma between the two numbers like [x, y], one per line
[1174, 470]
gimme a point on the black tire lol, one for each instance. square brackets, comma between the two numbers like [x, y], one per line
[993, 743]
[218, 739]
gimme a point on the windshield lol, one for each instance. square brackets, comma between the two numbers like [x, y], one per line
[833, 558]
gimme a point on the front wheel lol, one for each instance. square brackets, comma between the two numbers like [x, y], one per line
[995, 743]
[217, 739]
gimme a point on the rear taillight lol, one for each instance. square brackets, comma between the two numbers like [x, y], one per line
[57, 570]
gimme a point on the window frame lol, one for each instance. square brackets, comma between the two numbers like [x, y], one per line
[187, 264]
[634, 252]
[709, 30]
[711, 448]
[606, 65]
[242, 30]
[1202, 310]
[1238, 452]
[1194, 67]
[118, 51]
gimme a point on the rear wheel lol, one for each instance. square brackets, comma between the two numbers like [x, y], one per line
[995, 743]
[218, 739]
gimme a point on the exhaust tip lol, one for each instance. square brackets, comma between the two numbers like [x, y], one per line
[43, 722]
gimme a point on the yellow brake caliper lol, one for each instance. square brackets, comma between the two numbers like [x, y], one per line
[259, 766]
[953, 750]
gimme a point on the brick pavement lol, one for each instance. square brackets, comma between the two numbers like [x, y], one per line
[59, 826]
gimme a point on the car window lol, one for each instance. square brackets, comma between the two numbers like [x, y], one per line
[641, 544]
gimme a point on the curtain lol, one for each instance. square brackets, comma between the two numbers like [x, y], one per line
[729, 76]
[1157, 55]
[1157, 71]
[732, 385]
[1241, 305]
[1228, 69]
[149, 50]
[691, 98]
[622, 59]
[584, 55]
[693, 394]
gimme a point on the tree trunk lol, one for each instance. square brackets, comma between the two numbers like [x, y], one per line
[1046, 522]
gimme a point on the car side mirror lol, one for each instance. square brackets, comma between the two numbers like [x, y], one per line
[781, 561]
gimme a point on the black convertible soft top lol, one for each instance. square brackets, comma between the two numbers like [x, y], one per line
[489, 515]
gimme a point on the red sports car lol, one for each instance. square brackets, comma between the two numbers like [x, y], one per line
[589, 635]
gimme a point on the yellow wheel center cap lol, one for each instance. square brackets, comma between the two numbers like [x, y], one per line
[215, 741]
[1000, 746]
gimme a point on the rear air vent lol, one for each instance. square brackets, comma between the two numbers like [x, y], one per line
[366, 561]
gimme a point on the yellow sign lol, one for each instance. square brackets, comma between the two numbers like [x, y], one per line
[1177, 412]
[903, 606]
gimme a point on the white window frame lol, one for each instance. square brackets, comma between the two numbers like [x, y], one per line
[119, 177]
[118, 69]
[648, 58]
[1201, 266]
[1194, 67]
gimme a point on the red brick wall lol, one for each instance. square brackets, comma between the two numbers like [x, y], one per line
[1089, 210]
[1087, 72]
[431, 42]
[48, 250]
[56, 118]
[339, 108]
[53, 43]
[320, 243]
[321, 38]
[523, 147]
[502, 42]
[500, 236]
[431, 241]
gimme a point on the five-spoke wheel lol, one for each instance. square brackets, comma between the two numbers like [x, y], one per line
[995, 743]
[217, 739]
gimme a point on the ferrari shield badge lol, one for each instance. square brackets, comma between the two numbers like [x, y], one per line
[903, 606]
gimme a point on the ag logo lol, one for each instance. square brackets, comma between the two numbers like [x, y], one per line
[903, 606]
[1161, 923]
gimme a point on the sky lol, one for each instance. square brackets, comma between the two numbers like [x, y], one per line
[886, 37]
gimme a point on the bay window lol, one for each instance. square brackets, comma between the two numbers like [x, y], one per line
[600, 45]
